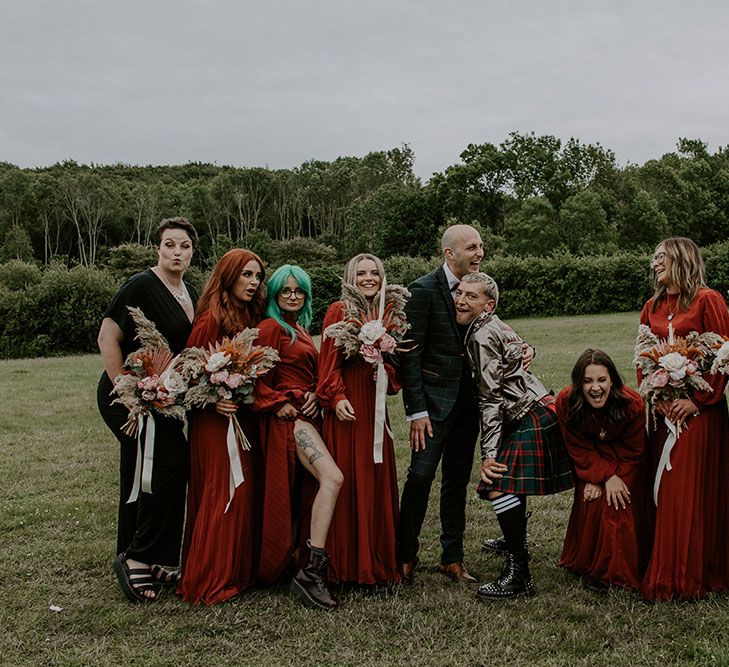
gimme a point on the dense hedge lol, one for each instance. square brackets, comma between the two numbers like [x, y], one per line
[57, 314]
[56, 310]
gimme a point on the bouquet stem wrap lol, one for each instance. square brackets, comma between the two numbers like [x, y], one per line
[145, 457]
[664, 463]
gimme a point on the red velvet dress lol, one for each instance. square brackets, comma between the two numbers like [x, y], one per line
[285, 506]
[691, 541]
[219, 550]
[361, 542]
[607, 544]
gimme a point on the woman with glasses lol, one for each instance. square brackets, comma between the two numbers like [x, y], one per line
[691, 539]
[291, 442]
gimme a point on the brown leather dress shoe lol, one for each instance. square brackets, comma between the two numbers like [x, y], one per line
[457, 572]
[407, 571]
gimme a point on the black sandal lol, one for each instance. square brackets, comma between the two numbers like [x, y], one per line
[164, 576]
[135, 582]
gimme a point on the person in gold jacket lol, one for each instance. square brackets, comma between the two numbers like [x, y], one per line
[522, 453]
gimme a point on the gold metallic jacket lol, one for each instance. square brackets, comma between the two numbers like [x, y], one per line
[505, 391]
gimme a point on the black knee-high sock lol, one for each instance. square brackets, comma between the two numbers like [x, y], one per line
[511, 515]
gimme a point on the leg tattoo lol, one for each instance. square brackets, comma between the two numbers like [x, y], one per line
[304, 441]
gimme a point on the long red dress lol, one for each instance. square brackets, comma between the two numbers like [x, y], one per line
[219, 551]
[691, 541]
[607, 544]
[284, 507]
[361, 542]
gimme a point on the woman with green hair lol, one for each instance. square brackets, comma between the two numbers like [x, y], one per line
[290, 433]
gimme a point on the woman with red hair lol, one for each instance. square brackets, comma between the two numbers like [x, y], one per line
[218, 554]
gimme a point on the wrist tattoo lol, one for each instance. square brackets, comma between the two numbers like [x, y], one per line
[305, 442]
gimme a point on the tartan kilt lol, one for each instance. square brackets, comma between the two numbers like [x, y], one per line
[533, 450]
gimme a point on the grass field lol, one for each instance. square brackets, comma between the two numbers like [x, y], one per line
[57, 535]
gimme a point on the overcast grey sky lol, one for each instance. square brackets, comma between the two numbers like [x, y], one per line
[277, 82]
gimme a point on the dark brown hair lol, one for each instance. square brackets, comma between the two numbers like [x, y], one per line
[176, 223]
[617, 402]
[217, 297]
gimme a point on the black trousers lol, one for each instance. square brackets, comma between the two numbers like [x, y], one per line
[150, 529]
[453, 441]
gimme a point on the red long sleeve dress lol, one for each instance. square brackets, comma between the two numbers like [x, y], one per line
[361, 542]
[219, 549]
[690, 554]
[607, 544]
[286, 506]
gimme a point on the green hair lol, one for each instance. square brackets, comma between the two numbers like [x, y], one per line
[276, 283]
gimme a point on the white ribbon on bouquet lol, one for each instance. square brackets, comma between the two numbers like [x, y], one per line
[145, 457]
[664, 463]
[236, 468]
[380, 394]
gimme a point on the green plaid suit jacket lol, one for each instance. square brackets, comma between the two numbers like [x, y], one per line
[432, 370]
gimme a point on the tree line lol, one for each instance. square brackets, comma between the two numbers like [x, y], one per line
[530, 196]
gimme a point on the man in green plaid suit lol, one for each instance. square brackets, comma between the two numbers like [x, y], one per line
[440, 406]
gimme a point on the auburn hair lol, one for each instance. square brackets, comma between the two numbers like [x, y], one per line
[217, 297]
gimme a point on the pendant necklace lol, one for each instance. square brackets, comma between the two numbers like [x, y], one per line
[182, 295]
[603, 433]
[671, 311]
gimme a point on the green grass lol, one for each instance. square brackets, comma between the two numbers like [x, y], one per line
[57, 534]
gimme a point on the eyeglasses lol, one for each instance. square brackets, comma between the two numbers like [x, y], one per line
[658, 258]
[287, 292]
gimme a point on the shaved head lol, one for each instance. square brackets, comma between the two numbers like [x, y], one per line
[455, 234]
[463, 249]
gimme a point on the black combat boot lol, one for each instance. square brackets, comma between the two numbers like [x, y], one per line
[515, 580]
[310, 583]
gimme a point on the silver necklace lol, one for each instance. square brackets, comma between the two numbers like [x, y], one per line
[671, 311]
[182, 296]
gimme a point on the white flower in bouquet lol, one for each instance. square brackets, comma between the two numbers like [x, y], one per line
[174, 382]
[217, 361]
[675, 364]
[371, 332]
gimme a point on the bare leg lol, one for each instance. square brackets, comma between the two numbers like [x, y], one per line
[314, 456]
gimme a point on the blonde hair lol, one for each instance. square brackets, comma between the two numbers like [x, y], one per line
[490, 288]
[350, 271]
[687, 271]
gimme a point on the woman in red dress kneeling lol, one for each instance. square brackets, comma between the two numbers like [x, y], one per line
[603, 424]
[219, 550]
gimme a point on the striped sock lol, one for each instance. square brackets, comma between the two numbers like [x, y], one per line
[505, 503]
[510, 514]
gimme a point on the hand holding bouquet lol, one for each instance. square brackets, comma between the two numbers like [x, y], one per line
[227, 370]
[149, 381]
[671, 369]
[371, 333]
[363, 332]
